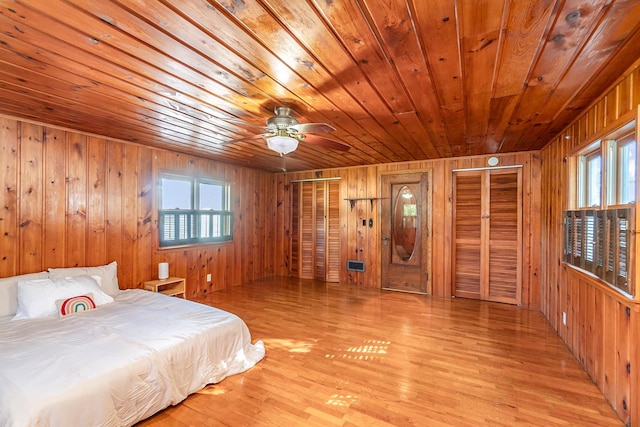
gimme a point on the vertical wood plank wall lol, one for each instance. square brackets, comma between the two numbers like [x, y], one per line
[361, 242]
[70, 199]
[603, 327]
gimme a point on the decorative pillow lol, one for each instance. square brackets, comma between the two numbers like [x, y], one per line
[37, 298]
[75, 304]
[9, 291]
[108, 274]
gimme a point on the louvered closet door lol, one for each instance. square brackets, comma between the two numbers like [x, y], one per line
[468, 234]
[315, 230]
[488, 235]
[505, 236]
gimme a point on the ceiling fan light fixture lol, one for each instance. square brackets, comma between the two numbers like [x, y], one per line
[282, 144]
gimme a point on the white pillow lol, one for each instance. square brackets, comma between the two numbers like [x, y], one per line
[9, 291]
[37, 298]
[108, 274]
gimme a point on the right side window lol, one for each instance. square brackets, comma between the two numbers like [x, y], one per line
[602, 203]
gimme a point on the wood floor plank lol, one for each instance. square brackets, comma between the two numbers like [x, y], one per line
[338, 355]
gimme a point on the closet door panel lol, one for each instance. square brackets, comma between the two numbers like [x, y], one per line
[319, 235]
[307, 248]
[467, 234]
[333, 232]
[504, 236]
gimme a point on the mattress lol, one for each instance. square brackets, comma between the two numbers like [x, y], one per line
[119, 363]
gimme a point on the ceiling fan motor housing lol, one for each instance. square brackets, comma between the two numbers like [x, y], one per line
[282, 120]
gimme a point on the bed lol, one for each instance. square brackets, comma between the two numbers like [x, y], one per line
[115, 364]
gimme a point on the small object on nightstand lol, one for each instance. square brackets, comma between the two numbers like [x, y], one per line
[173, 286]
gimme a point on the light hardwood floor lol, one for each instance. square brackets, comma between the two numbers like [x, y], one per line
[343, 356]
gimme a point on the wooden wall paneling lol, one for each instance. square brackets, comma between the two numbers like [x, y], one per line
[9, 158]
[527, 220]
[606, 343]
[590, 325]
[575, 297]
[130, 247]
[97, 196]
[234, 275]
[609, 344]
[220, 268]
[625, 96]
[247, 225]
[146, 236]
[362, 208]
[269, 221]
[372, 250]
[581, 314]
[597, 337]
[599, 114]
[188, 262]
[281, 237]
[76, 199]
[443, 223]
[634, 358]
[30, 211]
[612, 106]
[532, 229]
[55, 198]
[623, 363]
[438, 249]
[351, 238]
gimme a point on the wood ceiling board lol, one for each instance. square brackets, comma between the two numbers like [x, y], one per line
[399, 79]
[393, 26]
[436, 28]
[481, 37]
[622, 21]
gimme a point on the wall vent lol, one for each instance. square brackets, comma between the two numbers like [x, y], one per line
[355, 265]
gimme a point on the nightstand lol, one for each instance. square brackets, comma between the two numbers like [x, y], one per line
[174, 286]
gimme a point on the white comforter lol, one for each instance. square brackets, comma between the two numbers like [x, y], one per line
[119, 363]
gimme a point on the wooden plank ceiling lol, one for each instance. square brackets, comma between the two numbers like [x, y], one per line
[400, 80]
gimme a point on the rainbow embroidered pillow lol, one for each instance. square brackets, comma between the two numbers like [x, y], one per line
[75, 304]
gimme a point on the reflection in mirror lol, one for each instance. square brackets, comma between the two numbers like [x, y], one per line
[405, 223]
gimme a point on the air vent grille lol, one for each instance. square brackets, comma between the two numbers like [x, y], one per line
[353, 265]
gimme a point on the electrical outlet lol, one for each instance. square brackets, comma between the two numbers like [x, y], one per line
[209, 277]
[564, 318]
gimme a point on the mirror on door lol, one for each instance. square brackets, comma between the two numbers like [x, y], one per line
[405, 223]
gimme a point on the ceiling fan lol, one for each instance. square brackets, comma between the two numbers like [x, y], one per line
[284, 133]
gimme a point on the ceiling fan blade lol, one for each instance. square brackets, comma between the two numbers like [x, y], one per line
[248, 138]
[326, 142]
[313, 127]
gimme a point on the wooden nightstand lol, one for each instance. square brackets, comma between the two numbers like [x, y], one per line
[174, 286]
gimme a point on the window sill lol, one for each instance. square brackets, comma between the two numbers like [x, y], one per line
[607, 287]
[193, 245]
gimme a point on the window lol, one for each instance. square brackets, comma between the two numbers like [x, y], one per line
[596, 230]
[194, 210]
[597, 242]
[626, 176]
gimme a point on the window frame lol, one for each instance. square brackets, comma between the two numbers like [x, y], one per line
[187, 223]
[598, 238]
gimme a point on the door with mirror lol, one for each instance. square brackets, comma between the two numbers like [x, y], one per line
[405, 222]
